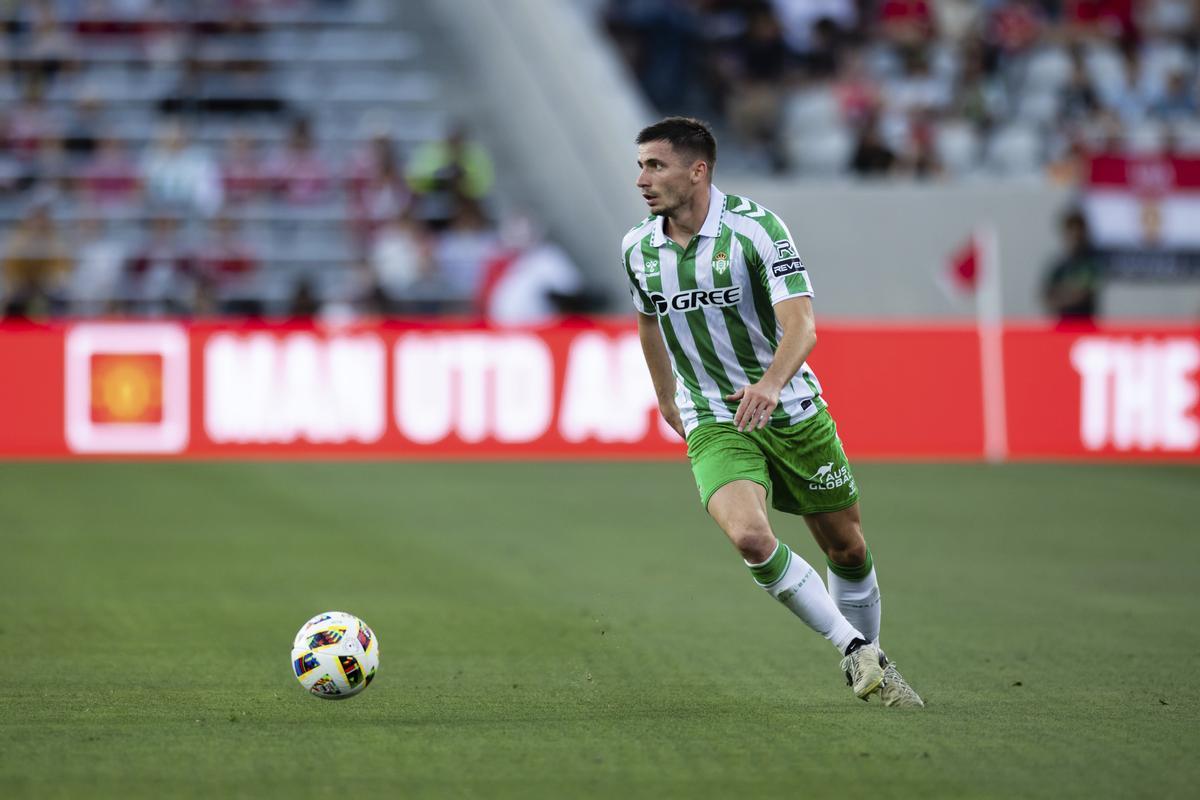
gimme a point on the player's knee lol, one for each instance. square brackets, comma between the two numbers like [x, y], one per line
[753, 540]
[848, 554]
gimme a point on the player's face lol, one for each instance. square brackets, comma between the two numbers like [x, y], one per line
[667, 179]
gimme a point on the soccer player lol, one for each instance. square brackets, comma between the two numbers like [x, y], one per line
[726, 325]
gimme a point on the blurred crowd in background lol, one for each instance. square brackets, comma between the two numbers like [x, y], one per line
[923, 88]
[292, 157]
[242, 157]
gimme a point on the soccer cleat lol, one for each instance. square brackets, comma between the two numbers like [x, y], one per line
[895, 691]
[864, 671]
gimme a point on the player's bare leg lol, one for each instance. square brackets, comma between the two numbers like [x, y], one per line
[740, 508]
[855, 589]
[851, 571]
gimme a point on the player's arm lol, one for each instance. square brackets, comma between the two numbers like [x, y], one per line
[659, 364]
[758, 400]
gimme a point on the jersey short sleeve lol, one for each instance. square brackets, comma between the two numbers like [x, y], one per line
[641, 301]
[783, 271]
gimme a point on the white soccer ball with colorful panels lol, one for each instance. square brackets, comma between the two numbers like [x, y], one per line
[335, 655]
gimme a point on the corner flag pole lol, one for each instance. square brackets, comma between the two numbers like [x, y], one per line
[989, 320]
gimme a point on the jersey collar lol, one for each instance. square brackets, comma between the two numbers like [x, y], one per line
[712, 223]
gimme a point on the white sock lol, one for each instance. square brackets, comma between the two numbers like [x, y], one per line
[792, 581]
[858, 601]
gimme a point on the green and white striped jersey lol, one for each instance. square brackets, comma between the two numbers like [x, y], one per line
[715, 302]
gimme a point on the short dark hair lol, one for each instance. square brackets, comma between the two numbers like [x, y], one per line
[686, 134]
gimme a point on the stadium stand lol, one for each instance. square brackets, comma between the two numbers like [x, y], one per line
[238, 156]
[962, 89]
[282, 157]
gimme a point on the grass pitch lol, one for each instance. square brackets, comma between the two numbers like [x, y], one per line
[583, 630]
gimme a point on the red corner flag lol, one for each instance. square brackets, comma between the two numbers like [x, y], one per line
[974, 270]
[963, 267]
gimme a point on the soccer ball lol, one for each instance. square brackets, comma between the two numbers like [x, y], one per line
[335, 655]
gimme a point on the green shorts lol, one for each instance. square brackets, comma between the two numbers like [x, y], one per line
[802, 466]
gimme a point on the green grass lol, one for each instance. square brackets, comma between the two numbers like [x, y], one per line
[583, 630]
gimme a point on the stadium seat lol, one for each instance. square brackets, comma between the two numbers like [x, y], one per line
[957, 146]
[1187, 137]
[1104, 65]
[1039, 105]
[1015, 150]
[1145, 138]
[824, 154]
[811, 111]
[1049, 68]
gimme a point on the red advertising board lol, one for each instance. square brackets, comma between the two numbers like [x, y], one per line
[412, 390]
[1121, 392]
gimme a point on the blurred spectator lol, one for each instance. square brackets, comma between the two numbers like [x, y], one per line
[919, 87]
[872, 157]
[243, 84]
[1176, 19]
[1070, 165]
[856, 90]
[99, 263]
[800, 18]
[656, 38]
[1130, 97]
[453, 167]
[228, 268]
[179, 175]
[48, 47]
[531, 281]
[309, 302]
[976, 98]
[909, 24]
[298, 172]
[189, 94]
[237, 86]
[30, 121]
[160, 278]
[402, 257]
[304, 303]
[243, 176]
[1072, 285]
[164, 35]
[110, 178]
[1178, 101]
[1016, 26]
[823, 60]
[1078, 98]
[1101, 19]
[1108, 134]
[958, 19]
[36, 264]
[83, 129]
[920, 157]
[463, 248]
[378, 188]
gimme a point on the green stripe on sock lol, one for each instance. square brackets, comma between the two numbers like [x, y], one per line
[852, 573]
[771, 570]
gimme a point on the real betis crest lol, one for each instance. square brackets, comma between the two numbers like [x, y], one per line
[651, 267]
[721, 262]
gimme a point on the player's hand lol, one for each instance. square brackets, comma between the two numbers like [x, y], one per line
[671, 414]
[756, 402]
